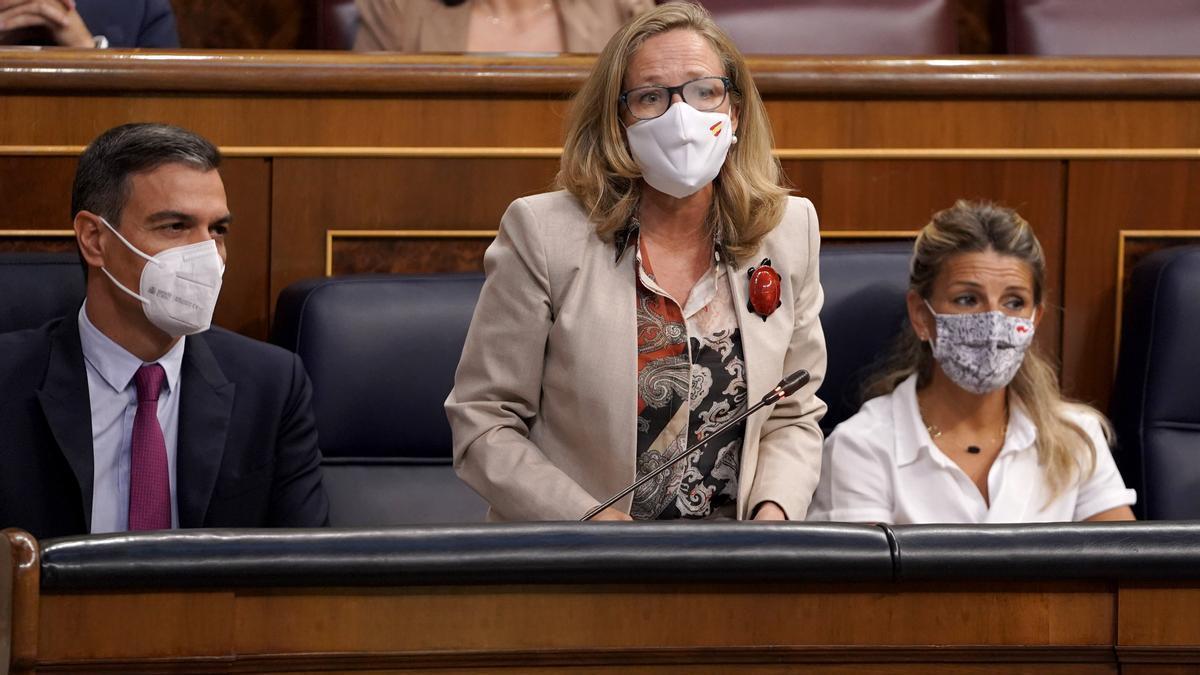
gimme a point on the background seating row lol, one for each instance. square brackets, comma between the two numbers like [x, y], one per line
[382, 349]
[908, 27]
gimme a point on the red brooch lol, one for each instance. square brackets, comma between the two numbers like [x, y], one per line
[765, 283]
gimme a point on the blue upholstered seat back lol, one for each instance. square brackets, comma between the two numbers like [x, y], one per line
[382, 351]
[1156, 400]
[38, 287]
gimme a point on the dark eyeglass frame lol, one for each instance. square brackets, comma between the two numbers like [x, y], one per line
[678, 89]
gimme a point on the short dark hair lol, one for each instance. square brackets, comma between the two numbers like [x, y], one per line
[102, 177]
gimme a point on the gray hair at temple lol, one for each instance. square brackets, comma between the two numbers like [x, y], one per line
[102, 177]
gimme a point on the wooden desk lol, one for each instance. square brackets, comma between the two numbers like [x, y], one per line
[1012, 626]
[343, 163]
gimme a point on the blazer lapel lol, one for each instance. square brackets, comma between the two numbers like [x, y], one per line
[754, 344]
[619, 350]
[764, 347]
[205, 408]
[65, 402]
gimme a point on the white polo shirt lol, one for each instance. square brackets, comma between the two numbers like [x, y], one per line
[882, 466]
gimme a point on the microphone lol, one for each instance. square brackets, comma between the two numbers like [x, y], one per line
[786, 387]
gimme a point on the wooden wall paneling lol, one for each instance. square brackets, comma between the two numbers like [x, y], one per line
[36, 192]
[318, 120]
[387, 75]
[956, 122]
[903, 194]
[1105, 197]
[245, 292]
[406, 251]
[103, 626]
[1158, 628]
[389, 194]
[831, 628]
[596, 618]
[436, 119]
[1158, 669]
[42, 241]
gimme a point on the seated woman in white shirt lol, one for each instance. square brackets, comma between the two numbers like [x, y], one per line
[967, 424]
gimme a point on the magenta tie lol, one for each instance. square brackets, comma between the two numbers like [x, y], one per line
[149, 476]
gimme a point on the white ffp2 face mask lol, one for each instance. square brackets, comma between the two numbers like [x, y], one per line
[981, 352]
[179, 286]
[681, 150]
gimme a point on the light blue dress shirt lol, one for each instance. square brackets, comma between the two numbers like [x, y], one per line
[113, 395]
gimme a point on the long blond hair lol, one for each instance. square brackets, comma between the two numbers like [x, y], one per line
[975, 227]
[599, 170]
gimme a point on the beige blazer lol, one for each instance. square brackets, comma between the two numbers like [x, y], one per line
[544, 405]
[431, 26]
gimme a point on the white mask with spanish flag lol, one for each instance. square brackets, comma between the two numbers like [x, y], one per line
[681, 150]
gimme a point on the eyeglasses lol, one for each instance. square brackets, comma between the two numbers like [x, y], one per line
[703, 94]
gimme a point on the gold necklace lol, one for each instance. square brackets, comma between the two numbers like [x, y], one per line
[935, 432]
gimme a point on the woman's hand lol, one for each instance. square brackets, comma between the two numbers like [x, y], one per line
[611, 513]
[770, 511]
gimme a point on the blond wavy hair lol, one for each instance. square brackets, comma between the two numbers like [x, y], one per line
[598, 169]
[970, 227]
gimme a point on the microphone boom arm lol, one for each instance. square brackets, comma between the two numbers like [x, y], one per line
[786, 387]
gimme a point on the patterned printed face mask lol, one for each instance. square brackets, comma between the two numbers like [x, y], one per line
[981, 352]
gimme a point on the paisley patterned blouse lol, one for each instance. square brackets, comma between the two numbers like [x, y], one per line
[691, 379]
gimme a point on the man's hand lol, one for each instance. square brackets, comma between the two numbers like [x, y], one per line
[59, 17]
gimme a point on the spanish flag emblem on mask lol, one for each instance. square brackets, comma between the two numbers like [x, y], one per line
[716, 128]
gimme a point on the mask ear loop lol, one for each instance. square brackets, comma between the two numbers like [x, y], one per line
[133, 248]
[934, 314]
[125, 241]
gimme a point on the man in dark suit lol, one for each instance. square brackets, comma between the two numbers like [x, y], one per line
[132, 413]
[89, 23]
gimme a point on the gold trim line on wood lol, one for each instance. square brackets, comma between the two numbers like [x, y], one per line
[433, 152]
[330, 235]
[397, 234]
[37, 233]
[1122, 235]
[410, 234]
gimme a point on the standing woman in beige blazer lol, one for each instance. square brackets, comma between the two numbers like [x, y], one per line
[577, 26]
[615, 326]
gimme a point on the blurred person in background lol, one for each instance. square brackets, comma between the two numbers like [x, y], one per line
[88, 24]
[575, 26]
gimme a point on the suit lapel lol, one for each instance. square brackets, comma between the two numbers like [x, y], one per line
[205, 408]
[68, 409]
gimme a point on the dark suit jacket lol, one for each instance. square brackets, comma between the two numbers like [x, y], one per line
[131, 23]
[247, 449]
